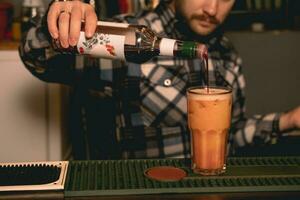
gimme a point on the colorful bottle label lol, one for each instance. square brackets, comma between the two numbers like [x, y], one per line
[102, 45]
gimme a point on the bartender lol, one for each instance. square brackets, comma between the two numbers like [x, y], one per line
[126, 110]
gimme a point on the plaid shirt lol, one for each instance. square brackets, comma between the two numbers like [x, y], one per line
[149, 100]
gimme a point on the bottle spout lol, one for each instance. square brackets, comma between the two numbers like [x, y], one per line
[202, 51]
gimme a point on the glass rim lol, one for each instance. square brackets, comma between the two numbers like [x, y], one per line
[227, 88]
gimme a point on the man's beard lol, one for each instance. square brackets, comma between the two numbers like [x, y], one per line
[188, 34]
[184, 28]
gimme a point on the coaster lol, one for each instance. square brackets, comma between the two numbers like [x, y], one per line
[165, 173]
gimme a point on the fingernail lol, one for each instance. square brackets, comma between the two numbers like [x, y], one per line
[65, 45]
[72, 42]
[54, 35]
[88, 34]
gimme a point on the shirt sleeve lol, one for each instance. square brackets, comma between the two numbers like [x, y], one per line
[48, 65]
[252, 130]
[40, 58]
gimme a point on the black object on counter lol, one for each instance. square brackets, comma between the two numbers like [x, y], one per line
[28, 174]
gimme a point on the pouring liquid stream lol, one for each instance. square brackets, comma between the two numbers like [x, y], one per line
[205, 56]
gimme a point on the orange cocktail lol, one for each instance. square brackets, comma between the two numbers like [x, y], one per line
[209, 116]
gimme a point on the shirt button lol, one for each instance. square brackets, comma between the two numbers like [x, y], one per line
[167, 82]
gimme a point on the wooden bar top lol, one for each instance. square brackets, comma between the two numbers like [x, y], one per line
[9, 45]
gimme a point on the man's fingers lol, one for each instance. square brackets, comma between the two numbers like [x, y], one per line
[75, 26]
[64, 21]
[63, 24]
[52, 18]
[90, 22]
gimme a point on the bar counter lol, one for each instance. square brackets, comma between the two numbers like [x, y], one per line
[217, 196]
[245, 178]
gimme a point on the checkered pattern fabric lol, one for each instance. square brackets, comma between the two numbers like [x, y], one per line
[150, 99]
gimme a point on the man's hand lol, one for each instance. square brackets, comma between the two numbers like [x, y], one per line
[64, 21]
[290, 120]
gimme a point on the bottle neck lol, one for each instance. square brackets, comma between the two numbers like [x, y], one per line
[186, 49]
[183, 49]
[166, 46]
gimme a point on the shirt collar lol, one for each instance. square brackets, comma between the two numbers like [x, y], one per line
[168, 20]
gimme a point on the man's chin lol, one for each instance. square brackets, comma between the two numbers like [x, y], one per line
[203, 30]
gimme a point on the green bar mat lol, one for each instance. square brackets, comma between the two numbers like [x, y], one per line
[126, 177]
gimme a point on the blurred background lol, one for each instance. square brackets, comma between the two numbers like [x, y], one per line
[34, 115]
